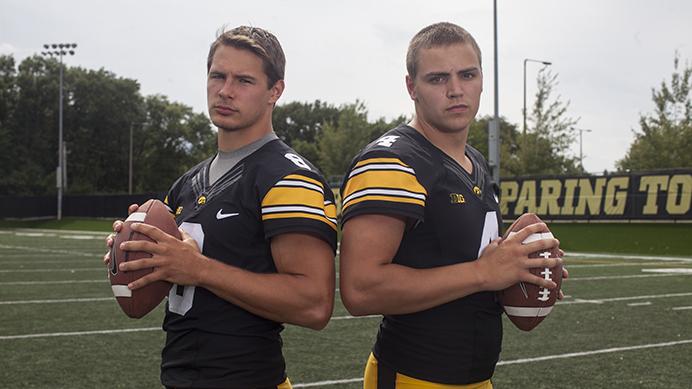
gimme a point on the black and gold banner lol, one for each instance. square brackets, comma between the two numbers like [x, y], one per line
[660, 195]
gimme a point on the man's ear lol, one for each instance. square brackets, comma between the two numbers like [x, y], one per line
[410, 87]
[276, 91]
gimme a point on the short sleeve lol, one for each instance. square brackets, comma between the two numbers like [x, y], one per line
[381, 182]
[300, 202]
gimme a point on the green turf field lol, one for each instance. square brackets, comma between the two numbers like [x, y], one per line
[626, 323]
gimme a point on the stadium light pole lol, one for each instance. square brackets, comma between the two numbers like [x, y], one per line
[545, 63]
[129, 170]
[494, 125]
[59, 50]
[581, 155]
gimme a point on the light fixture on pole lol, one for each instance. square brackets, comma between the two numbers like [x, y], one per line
[581, 155]
[545, 63]
[59, 50]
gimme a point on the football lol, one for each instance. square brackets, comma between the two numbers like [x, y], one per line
[137, 303]
[527, 304]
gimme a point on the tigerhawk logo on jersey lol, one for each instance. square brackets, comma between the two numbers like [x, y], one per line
[387, 141]
[477, 191]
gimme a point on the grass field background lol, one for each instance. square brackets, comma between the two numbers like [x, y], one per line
[626, 321]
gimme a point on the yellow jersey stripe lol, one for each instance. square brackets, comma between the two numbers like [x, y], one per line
[383, 179]
[380, 160]
[293, 195]
[303, 215]
[405, 200]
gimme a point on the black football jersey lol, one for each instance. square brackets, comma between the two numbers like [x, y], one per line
[452, 215]
[212, 343]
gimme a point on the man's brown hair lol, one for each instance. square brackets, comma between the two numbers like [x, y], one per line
[435, 35]
[260, 42]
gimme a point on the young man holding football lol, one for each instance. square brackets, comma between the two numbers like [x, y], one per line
[260, 234]
[420, 231]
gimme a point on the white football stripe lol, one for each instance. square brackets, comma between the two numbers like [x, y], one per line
[121, 291]
[534, 237]
[136, 217]
[528, 312]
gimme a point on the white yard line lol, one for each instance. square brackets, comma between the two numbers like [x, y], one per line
[569, 266]
[595, 352]
[57, 301]
[52, 251]
[68, 282]
[600, 278]
[645, 303]
[353, 317]
[529, 360]
[74, 269]
[330, 382]
[569, 255]
[608, 300]
[681, 308]
[81, 333]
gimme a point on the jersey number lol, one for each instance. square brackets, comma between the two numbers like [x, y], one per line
[180, 297]
[490, 231]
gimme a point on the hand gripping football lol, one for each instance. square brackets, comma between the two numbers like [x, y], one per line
[137, 303]
[527, 304]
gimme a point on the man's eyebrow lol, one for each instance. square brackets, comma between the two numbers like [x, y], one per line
[468, 70]
[436, 74]
[245, 75]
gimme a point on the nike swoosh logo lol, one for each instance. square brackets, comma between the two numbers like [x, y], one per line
[220, 215]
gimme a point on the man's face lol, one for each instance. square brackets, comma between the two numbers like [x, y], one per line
[447, 87]
[238, 95]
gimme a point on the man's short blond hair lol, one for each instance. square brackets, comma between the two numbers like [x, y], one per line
[436, 35]
[258, 41]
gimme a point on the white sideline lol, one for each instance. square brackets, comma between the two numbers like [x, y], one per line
[529, 360]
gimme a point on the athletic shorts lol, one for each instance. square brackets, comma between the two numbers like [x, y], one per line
[284, 385]
[386, 378]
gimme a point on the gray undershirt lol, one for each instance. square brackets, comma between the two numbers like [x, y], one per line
[226, 160]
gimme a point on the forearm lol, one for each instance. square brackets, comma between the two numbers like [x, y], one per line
[282, 297]
[394, 289]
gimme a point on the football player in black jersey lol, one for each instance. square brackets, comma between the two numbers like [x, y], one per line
[259, 226]
[420, 231]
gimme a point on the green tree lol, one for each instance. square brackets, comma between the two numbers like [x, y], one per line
[545, 147]
[31, 128]
[100, 109]
[299, 124]
[171, 140]
[340, 141]
[665, 138]
[478, 138]
[8, 98]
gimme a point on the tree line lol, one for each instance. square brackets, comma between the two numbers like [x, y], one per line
[101, 109]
